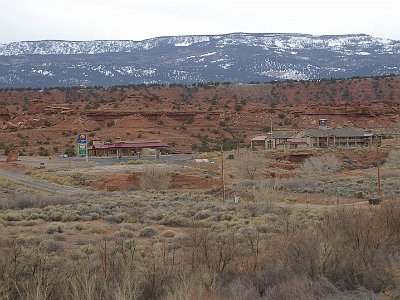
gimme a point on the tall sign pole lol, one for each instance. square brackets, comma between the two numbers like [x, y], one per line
[82, 146]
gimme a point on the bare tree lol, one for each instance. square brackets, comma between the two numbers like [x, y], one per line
[320, 165]
[249, 165]
[393, 159]
[154, 178]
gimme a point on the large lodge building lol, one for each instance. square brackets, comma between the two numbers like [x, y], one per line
[323, 137]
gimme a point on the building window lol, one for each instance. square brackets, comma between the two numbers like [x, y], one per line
[269, 144]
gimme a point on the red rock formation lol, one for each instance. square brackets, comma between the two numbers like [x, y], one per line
[12, 156]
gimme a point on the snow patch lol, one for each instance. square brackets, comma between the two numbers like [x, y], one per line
[43, 72]
[287, 74]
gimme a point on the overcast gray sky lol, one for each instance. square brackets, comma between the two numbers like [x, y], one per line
[140, 19]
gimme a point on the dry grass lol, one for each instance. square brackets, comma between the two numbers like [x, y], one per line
[224, 254]
[174, 245]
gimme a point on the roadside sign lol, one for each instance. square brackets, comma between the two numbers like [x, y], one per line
[82, 144]
[82, 149]
[82, 138]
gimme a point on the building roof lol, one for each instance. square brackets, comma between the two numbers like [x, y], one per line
[337, 132]
[277, 135]
[131, 145]
[260, 138]
[292, 143]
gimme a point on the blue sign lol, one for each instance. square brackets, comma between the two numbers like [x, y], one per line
[82, 138]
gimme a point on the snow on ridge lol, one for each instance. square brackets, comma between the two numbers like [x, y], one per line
[186, 41]
[285, 74]
[43, 72]
[208, 54]
[283, 42]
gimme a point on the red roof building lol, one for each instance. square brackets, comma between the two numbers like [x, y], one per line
[126, 148]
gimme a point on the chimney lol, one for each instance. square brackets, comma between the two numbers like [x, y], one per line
[323, 124]
[117, 140]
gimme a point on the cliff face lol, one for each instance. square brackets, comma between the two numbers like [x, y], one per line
[195, 117]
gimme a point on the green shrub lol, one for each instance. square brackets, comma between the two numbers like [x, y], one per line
[69, 217]
[51, 229]
[79, 227]
[169, 234]
[43, 151]
[114, 218]
[174, 221]
[148, 232]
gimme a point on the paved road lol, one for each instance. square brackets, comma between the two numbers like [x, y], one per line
[18, 176]
[77, 162]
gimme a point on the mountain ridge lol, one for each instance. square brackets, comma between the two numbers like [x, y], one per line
[187, 59]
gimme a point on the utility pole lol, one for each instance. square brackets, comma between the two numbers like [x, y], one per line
[222, 174]
[379, 173]
[379, 180]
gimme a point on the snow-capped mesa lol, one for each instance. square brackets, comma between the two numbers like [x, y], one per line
[236, 58]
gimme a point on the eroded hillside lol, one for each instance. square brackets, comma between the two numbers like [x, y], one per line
[191, 118]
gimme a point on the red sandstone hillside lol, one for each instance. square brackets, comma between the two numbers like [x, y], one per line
[192, 118]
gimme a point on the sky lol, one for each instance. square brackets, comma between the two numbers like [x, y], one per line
[30, 20]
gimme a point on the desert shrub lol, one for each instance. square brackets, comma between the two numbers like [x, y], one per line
[55, 216]
[69, 216]
[26, 201]
[118, 218]
[301, 185]
[168, 234]
[43, 151]
[306, 288]
[320, 165]
[124, 233]
[29, 223]
[393, 159]
[51, 229]
[13, 217]
[174, 221]
[18, 202]
[148, 232]
[240, 289]
[340, 253]
[35, 216]
[78, 179]
[187, 288]
[99, 229]
[202, 214]
[79, 227]
[50, 246]
[156, 216]
[95, 216]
